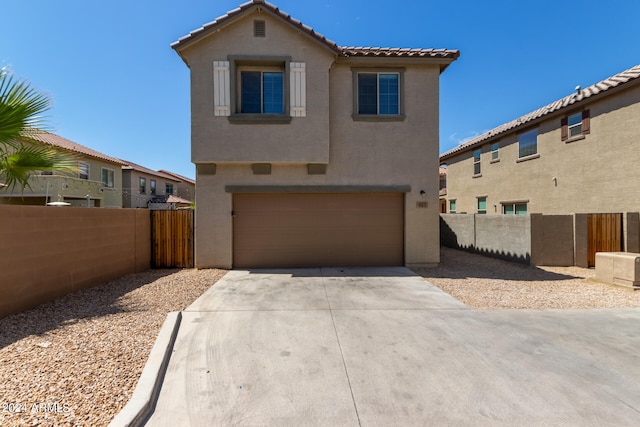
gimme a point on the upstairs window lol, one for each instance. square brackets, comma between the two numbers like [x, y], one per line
[169, 188]
[108, 177]
[495, 151]
[476, 162]
[152, 187]
[575, 125]
[377, 94]
[142, 187]
[262, 92]
[452, 206]
[83, 172]
[259, 89]
[528, 143]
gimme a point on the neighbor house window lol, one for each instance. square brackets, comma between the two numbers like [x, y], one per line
[452, 206]
[169, 188]
[152, 187]
[108, 177]
[83, 172]
[575, 125]
[482, 205]
[528, 143]
[262, 91]
[377, 93]
[495, 151]
[143, 186]
[476, 162]
[514, 208]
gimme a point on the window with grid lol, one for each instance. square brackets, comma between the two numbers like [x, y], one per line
[495, 151]
[528, 143]
[476, 162]
[169, 188]
[108, 177]
[83, 172]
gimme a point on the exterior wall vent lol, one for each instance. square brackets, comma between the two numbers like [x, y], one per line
[259, 29]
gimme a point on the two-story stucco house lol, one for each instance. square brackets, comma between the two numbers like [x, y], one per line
[184, 189]
[142, 186]
[308, 153]
[98, 182]
[579, 154]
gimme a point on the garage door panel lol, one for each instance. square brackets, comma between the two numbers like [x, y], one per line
[311, 230]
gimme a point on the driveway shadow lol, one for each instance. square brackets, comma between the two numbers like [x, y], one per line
[457, 264]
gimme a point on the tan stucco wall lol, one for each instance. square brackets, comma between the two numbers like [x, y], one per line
[599, 173]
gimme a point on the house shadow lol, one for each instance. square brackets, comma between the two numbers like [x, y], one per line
[95, 302]
[468, 264]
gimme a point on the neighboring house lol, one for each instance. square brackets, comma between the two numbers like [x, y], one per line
[142, 186]
[98, 182]
[185, 189]
[308, 153]
[579, 154]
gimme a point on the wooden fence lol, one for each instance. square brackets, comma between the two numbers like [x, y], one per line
[172, 239]
[605, 234]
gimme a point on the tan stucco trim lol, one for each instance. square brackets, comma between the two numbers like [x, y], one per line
[317, 188]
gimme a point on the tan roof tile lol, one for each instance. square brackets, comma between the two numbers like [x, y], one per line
[60, 142]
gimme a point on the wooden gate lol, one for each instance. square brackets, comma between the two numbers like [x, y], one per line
[172, 239]
[605, 234]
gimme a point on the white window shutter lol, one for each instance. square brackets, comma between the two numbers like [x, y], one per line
[222, 101]
[298, 89]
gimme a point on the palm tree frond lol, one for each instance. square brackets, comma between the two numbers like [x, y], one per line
[21, 107]
[17, 166]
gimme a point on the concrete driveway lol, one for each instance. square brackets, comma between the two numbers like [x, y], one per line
[381, 346]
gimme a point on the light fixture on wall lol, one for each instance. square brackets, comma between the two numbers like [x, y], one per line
[422, 192]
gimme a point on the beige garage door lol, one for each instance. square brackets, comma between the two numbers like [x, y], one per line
[318, 230]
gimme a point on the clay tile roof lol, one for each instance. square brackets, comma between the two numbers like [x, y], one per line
[60, 142]
[177, 176]
[600, 88]
[138, 168]
[400, 52]
[339, 50]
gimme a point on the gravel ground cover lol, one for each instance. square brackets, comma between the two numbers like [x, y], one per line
[75, 361]
[489, 283]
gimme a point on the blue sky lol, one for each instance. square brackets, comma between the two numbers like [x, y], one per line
[120, 89]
